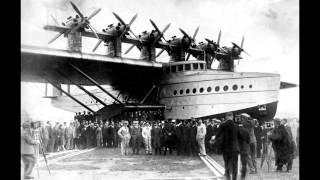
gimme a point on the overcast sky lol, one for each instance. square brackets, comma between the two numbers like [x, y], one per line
[270, 27]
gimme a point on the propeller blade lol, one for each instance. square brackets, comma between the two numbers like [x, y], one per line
[161, 33]
[242, 41]
[56, 37]
[94, 13]
[77, 10]
[119, 19]
[188, 57]
[219, 36]
[136, 36]
[76, 27]
[54, 19]
[160, 53]
[129, 49]
[246, 52]
[94, 31]
[184, 33]
[195, 33]
[99, 42]
[132, 20]
[155, 26]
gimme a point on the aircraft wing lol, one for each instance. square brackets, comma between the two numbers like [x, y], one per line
[285, 85]
[39, 64]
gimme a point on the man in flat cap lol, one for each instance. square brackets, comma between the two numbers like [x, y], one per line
[28, 150]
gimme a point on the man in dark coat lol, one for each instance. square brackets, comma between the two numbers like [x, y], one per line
[104, 134]
[186, 138]
[228, 136]
[258, 134]
[284, 122]
[281, 145]
[179, 137]
[49, 147]
[156, 137]
[209, 134]
[136, 137]
[28, 150]
[193, 138]
[167, 133]
[244, 145]
[111, 133]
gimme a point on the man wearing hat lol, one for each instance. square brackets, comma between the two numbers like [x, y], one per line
[135, 132]
[28, 150]
[124, 135]
[249, 124]
[227, 136]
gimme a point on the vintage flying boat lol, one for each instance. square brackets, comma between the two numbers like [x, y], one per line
[180, 88]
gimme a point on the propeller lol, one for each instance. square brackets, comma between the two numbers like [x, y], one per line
[191, 39]
[83, 23]
[127, 26]
[126, 29]
[240, 47]
[157, 38]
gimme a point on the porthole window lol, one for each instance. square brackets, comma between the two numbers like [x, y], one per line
[217, 88]
[225, 88]
[201, 90]
[168, 70]
[242, 86]
[235, 87]
[250, 86]
[181, 91]
[194, 90]
[180, 67]
[175, 92]
[173, 68]
[188, 67]
[188, 91]
[209, 89]
[195, 66]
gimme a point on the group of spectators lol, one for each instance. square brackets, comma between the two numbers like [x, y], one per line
[229, 136]
[238, 137]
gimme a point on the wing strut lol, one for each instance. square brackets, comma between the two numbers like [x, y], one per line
[94, 82]
[147, 94]
[83, 89]
[71, 96]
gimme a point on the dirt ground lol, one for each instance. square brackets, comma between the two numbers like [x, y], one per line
[110, 164]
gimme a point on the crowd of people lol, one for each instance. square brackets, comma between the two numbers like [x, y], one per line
[238, 137]
[135, 131]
